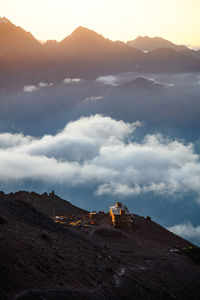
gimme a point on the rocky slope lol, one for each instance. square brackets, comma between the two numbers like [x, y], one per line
[48, 204]
[40, 259]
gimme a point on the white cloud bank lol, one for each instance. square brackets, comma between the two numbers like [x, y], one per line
[101, 152]
[186, 230]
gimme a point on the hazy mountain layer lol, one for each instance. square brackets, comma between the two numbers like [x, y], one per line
[86, 54]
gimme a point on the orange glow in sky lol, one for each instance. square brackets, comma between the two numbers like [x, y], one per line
[175, 20]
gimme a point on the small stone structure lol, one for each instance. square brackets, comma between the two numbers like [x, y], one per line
[120, 215]
[93, 215]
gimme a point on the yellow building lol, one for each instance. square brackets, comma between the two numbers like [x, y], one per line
[121, 217]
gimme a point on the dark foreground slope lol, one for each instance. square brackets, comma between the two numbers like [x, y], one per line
[40, 259]
[48, 204]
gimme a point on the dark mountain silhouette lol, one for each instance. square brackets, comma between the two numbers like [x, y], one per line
[85, 54]
[40, 259]
[142, 83]
[48, 204]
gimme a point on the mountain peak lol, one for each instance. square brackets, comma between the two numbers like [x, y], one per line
[152, 43]
[140, 37]
[84, 33]
[4, 20]
[14, 40]
[149, 38]
[81, 29]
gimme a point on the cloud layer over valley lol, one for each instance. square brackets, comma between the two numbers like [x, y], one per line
[103, 153]
[168, 104]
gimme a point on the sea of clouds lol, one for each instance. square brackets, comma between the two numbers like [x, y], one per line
[103, 152]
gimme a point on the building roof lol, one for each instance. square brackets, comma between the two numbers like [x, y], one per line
[116, 209]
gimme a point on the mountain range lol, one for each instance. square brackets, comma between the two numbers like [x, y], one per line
[85, 54]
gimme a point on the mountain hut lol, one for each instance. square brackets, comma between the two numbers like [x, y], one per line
[121, 217]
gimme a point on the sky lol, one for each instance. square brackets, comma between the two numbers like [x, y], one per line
[175, 20]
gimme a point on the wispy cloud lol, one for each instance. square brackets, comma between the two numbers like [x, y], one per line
[71, 80]
[30, 88]
[93, 99]
[45, 84]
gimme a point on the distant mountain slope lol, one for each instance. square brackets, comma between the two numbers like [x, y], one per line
[142, 83]
[49, 205]
[169, 60]
[148, 44]
[86, 53]
[21, 56]
[16, 41]
[84, 41]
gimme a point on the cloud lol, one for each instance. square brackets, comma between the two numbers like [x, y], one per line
[157, 82]
[71, 80]
[80, 140]
[108, 80]
[105, 155]
[93, 99]
[117, 190]
[9, 140]
[30, 88]
[33, 88]
[186, 230]
[44, 84]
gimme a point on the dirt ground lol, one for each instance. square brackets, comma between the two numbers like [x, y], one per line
[44, 259]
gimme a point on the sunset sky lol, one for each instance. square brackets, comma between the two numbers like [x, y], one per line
[176, 20]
